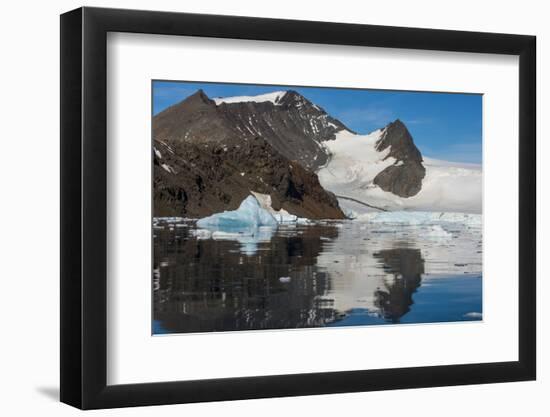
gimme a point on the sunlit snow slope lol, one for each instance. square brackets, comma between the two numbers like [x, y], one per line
[354, 162]
[274, 98]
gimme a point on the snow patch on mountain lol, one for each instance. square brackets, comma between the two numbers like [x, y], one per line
[274, 98]
[168, 168]
[354, 161]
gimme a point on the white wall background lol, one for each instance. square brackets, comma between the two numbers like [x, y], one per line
[29, 115]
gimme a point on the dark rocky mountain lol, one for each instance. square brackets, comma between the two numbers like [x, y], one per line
[209, 154]
[290, 123]
[199, 179]
[404, 178]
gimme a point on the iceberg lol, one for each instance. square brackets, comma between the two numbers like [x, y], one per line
[249, 215]
[249, 225]
[282, 216]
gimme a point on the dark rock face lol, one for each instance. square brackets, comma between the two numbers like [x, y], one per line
[199, 179]
[404, 178]
[208, 157]
[293, 125]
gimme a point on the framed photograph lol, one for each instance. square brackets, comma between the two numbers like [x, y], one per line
[258, 208]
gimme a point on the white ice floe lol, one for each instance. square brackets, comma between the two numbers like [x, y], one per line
[249, 215]
[166, 220]
[283, 216]
[274, 98]
[473, 315]
[200, 233]
[437, 232]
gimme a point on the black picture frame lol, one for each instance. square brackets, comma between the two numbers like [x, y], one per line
[84, 207]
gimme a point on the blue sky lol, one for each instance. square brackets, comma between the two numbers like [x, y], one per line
[444, 126]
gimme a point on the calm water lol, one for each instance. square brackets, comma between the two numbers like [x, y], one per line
[325, 274]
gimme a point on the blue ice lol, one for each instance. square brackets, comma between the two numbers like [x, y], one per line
[249, 215]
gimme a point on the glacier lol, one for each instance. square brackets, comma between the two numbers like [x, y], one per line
[355, 162]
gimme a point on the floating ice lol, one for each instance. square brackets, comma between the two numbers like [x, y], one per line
[436, 231]
[420, 217]
[157, 220]
[248, 215]
[248, 239]
[282, 216]
[252, 223]
[201, 233]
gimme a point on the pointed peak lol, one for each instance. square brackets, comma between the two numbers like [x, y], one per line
[293, 97]
[199, 95]
[198, 99]
[398, 139]
[396, 124]
[293, 94]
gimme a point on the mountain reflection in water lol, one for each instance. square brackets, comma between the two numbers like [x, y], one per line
[324, 274]
[395, 299]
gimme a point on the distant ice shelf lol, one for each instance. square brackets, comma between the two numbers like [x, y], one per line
[420, 218]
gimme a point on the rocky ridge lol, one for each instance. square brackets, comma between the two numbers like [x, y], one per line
[210, 154]
[404, 178]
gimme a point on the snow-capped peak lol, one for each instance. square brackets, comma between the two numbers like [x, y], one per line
[274, 97]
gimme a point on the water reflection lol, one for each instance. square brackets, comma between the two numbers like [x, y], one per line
[325, 274]
[407, 267]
